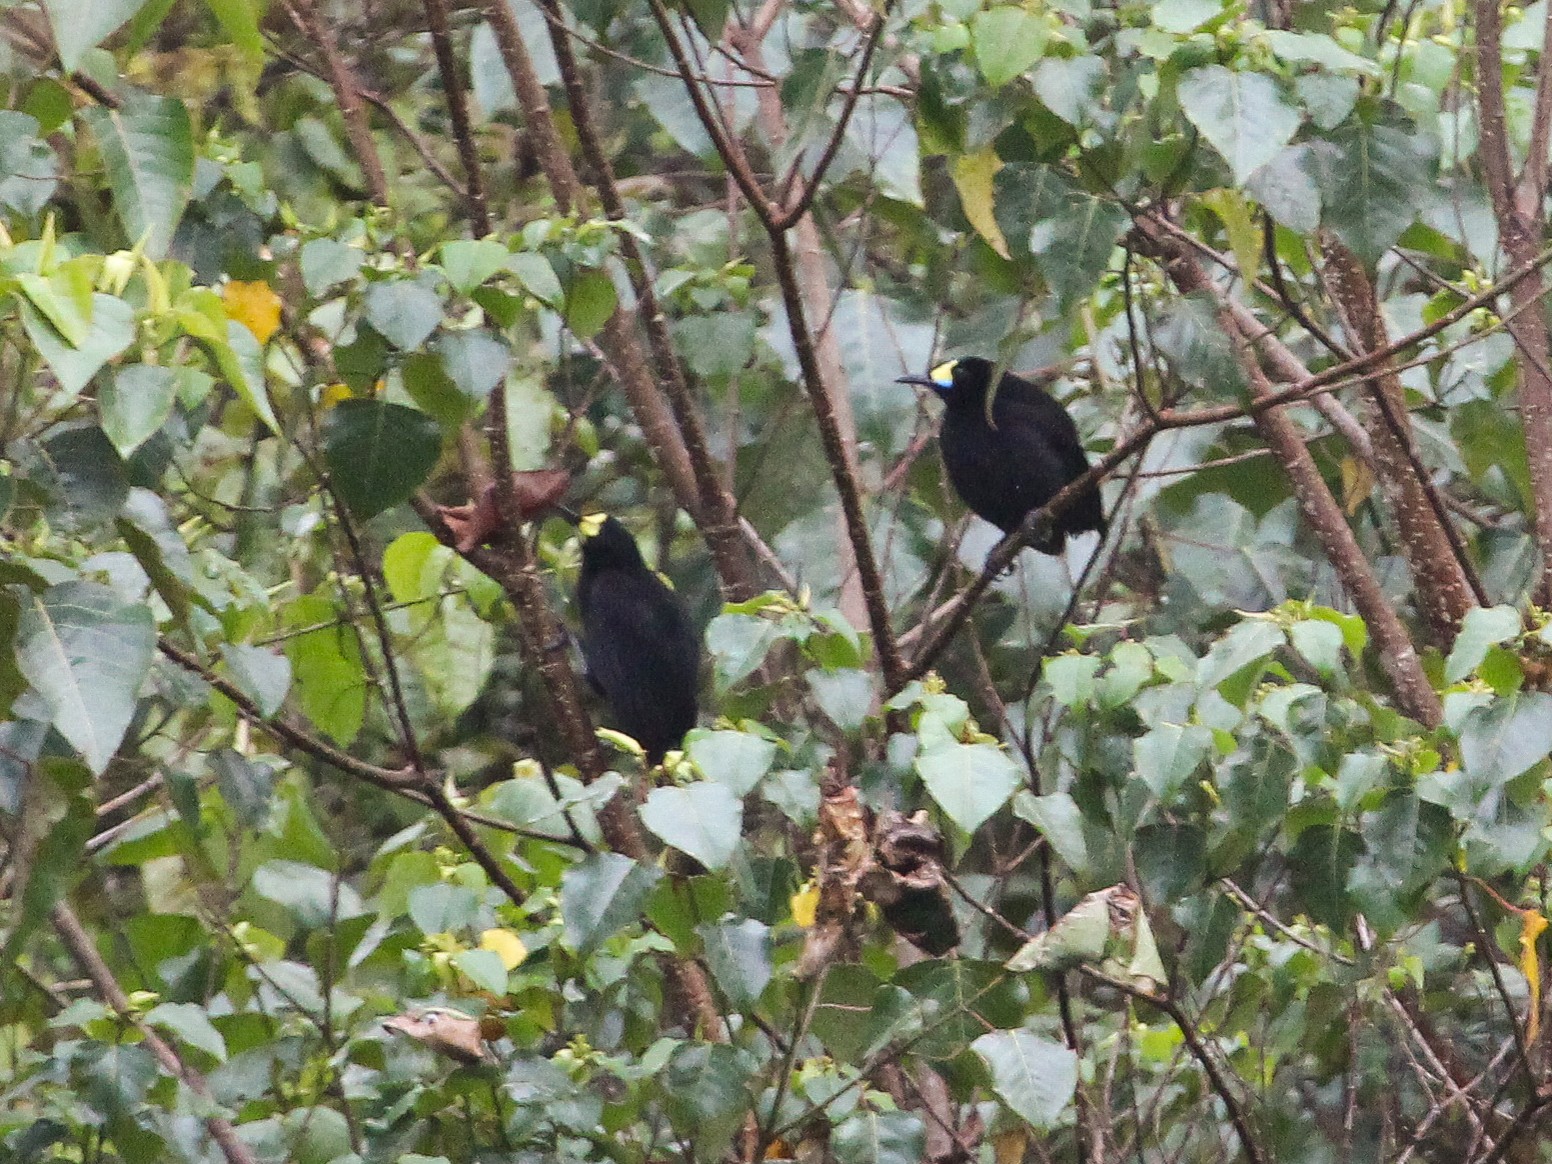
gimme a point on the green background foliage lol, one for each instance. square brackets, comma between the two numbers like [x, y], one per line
[281, 757]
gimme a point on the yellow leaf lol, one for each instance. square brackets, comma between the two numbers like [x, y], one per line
[255, 306]
[1530, 966]
[1357, 483]
[805, 905]
[973, 174]
[331, 394]
[506, 944]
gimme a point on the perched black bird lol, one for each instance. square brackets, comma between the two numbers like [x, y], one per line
[642, 652]
[1019, 461]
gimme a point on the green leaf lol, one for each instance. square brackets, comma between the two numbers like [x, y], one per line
[85, 477]
[1248, 644]
[314, 897]
[112, 330]
[1483, 627]
[529, 409]
[327, 675]
[159, 548]
[1060, 822]
[248, 787]
[1071, 678]
[469, 262]
[241, 360]
[1035, 1077]
[969, 782]
[134, 403]
[704, 820]
[82, 25]
[484, 968]
[845, 696]
[403, 312]
[191, 1025]
[474, 360]
[738, 644]
[1320, 643]
[443, 908]
[1241, 227]
[870, 1136]
[534, 272]
[1183, 16]
[1373, 182]
[453, 651]
[1316, 48]
[240, 20]
[1242, 114]
[64, 299]
[379, 453]
[737, 760]
[527, 802]
[1007, 41]
[263, 675]
[1071, 87]
[601, 896]
[1287, 188]
[1168, 754]
[1506, 737]
[327, 263]
[590, 301]
[29, 171]
[147, 150]
[1192, 339]
[1319, 865]
[86, 656]
[739, 956]
[705, 1091]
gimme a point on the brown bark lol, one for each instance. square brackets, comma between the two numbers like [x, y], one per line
[75, 938]
[1414, 694]
[1517, 205]
[1444, 590]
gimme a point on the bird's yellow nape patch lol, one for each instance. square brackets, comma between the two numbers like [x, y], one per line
[943, 374]
[592, 523]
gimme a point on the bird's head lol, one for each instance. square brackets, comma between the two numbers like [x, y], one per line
[606, 544]
[960, 381]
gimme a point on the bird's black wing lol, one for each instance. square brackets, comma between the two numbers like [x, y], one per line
[643, 653]
[1047, 435]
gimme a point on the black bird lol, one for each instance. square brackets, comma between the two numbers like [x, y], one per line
[1020, 460]
[642, 652]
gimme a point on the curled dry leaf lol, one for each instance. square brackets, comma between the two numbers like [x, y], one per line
[1108, 928]
[906, 882]
[895, 862]
[474, 523]
[446, 1031]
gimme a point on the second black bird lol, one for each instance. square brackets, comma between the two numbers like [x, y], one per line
[1019, 460]
[641, 649]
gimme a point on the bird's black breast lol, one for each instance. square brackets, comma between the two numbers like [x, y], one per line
[643, 654]
[1005, 471]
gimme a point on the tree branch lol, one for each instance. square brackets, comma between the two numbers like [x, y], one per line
[458, 114]
[75, 938]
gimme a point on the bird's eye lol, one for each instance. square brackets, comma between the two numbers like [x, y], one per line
[943, 374]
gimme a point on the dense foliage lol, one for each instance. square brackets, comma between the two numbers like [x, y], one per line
[1223, 838]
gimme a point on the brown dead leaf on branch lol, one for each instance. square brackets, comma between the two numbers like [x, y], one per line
[444, 1030]
[894, 861]
[474, 522]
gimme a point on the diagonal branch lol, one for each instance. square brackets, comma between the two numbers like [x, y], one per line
[84, 951]
[798, 207]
